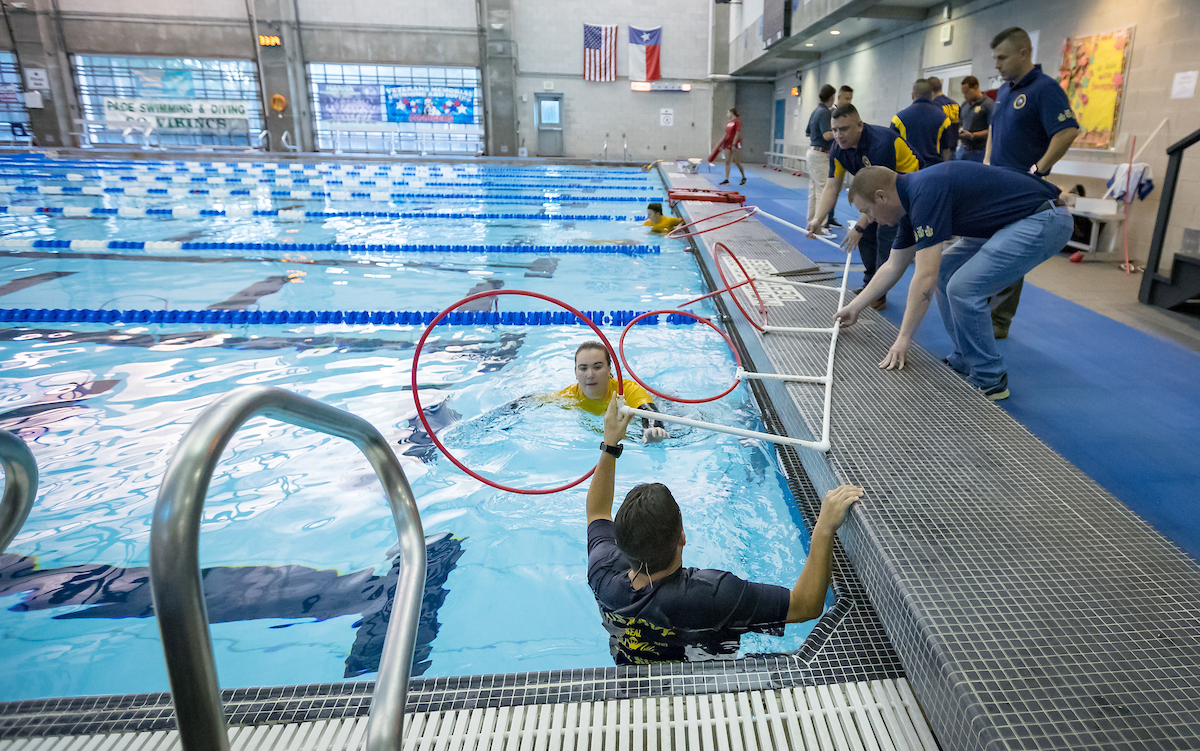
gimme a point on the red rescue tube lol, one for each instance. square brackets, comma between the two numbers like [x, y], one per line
[762, 307]
[750, 211]
[668, 397]
[433, 435]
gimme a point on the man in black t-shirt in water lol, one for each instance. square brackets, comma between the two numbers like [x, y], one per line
[654, 609]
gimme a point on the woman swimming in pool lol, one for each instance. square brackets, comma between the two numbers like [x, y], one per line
[595, 386]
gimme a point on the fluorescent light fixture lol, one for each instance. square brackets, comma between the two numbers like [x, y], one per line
[835, 32]
[808, 44]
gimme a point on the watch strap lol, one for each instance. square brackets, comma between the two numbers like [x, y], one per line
[614, 450]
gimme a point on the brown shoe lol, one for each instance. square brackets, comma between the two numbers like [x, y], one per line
[880, 304]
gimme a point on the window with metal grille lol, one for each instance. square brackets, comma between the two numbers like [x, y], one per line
[207, 79]
[377, 135]
[14, 118]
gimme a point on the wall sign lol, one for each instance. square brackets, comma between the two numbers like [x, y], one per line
[179, 114]
[419, 104]
[666, 118]
[1093, 75]
[37, 79]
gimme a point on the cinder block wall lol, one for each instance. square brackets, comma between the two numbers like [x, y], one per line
[1166, 40]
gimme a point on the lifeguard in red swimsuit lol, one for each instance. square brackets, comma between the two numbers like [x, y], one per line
[731, 144]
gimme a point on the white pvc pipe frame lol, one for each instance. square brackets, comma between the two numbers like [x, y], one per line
[827, 379]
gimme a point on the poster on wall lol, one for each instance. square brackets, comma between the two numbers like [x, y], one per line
[419, 104]
[209, 115]
[1093, 75]
[345, 103]
[163, 84]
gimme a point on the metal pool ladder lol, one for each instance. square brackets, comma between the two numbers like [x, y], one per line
[175, 563]
[20, 486]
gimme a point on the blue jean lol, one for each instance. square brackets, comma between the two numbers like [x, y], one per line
[875, 247]
[969, 155]
[974, 269]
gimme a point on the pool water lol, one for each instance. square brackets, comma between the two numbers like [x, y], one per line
[297, 537]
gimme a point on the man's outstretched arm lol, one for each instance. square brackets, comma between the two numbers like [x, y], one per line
[600, 492]
[808, 596]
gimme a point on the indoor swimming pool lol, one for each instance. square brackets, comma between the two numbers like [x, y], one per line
[297, 539]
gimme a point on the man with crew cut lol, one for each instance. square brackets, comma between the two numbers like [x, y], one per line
[655, 609]
[923, 125]
[1032, 127]
[857, 145]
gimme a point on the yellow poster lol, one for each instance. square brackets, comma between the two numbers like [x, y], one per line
[1093, 75]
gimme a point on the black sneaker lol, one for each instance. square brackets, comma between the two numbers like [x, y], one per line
[834, 222]
[999, 391]
[743, 182]
[723, 182]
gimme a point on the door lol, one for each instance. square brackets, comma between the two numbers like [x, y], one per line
[780, 107]
[547, 116]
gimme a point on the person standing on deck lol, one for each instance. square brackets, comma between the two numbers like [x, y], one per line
[1032, 127]
[857, 145]
[731, 144]
[820, 139]
[654, 609]
[923, 125]
[976, 121]
[950, 107]
[1020, 220]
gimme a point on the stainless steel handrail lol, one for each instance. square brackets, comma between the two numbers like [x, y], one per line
[20, 486]
[175, 563]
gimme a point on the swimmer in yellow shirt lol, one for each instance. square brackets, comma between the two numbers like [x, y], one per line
[595, 386]
[658, 225]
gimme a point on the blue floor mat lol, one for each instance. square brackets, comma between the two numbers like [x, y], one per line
[792, 205]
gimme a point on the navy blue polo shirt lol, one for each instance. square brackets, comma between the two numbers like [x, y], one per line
[819, 124]
[923, 125]
[950, 107]
[877, 146]
[977, 117]
[967, 199]
[1026, 115]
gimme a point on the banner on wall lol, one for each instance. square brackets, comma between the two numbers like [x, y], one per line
[179, 114]
[163, 84]
[419, 104]
[1093, 75]
[345, 103]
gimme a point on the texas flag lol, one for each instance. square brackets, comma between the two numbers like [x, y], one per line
[644, 47]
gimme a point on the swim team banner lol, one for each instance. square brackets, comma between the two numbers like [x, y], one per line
[157, 83]
[179, 114]
[419, 104]
[344, 103]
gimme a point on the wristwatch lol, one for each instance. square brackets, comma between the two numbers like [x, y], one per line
[855, 226]
[614, 450]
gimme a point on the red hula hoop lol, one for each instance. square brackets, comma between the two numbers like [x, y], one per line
[750, 211]
[668, 397]
[762, 307]
[433, 435]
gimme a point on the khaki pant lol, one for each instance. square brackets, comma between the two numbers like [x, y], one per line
[817, 167]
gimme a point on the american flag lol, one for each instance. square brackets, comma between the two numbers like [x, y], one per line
[599, 52]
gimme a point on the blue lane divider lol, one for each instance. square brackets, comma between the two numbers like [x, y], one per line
[167, 245]
[321, 181]
[294, 214]
[327, 166]
[310, 194]
[353, 317]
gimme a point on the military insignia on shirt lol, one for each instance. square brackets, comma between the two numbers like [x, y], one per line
[977, 108]
[1019, 102]
[925, 231]
[1065, 115]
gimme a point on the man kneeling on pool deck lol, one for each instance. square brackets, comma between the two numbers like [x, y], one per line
[658, 222]
[1024, 223]
[654, 609]
[595, 385]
